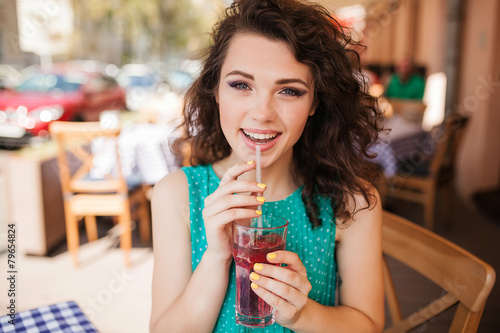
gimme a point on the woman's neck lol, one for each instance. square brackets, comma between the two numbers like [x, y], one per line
[278, 177]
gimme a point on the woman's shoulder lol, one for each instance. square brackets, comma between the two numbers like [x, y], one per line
[367, 212]
[173, 186]
[178, 183]
[170, 200]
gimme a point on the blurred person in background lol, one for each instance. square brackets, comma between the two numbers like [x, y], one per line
[405, 83]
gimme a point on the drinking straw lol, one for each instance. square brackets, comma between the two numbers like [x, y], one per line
[258, 173]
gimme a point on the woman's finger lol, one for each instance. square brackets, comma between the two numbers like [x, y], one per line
[281, 289]
[235, 171]
[289, 258]
[285, 275]
[230, 215]
[234, 187]
[286, 311]
[232, 201]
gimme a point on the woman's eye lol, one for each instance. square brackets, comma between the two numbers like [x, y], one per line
[239, 85]
[291, 92]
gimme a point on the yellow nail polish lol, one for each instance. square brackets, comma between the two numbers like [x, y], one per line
[258, 267]
[250, 162]
[261, 185]
[261, 199]
[271, 256]
[254, 276]
[254, 286]
[258, 212]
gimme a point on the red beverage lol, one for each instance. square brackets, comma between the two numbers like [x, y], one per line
[250, 246]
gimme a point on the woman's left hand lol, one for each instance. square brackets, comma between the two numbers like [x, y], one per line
[286, 289]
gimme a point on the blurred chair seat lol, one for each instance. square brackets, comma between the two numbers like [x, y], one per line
[99, 204]
[465, 279]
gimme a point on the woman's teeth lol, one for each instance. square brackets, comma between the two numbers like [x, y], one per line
[260, 136]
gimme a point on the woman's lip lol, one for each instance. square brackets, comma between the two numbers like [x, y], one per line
[263, 147]
[260, 131]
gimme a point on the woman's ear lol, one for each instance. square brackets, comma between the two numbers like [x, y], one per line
[313, 108]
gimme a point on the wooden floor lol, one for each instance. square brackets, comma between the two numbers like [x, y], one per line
[470, 229]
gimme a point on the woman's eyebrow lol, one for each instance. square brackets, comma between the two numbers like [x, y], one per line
[286, 81]
[237, 72]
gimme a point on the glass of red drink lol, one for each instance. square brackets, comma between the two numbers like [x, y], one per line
[252, 241]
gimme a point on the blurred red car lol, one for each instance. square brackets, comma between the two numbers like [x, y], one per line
[64, 93]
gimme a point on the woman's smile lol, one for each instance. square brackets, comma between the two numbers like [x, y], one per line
[266, 139]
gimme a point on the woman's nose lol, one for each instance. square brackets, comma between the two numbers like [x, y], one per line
[264, 109]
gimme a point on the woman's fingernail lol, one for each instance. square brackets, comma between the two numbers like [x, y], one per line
[261, 185]
[254, 286]
[271, 256]
[254, 276]
[250, 162]
[258, 267]
[258, 212]
[261, 199]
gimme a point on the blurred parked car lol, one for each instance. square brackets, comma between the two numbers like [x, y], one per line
[140, 83]
[64, 93]
[179, 80]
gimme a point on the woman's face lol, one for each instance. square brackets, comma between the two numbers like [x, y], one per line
[265, 97]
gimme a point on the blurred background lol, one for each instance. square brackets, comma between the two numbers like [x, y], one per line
[129, 62]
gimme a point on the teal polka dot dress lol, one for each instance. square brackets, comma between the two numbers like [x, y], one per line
[316, 248]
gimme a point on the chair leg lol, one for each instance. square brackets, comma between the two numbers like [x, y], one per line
[91, 227]
[448, 203]
[145, 227]
[126, 235]
[139, 205]
[429, 208]
[145, 218]
[72, 235]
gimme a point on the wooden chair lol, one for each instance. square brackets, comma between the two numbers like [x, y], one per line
[89, 197]
[465, 279]
[422, 177]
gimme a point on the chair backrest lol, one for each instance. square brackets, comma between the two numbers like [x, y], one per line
[447, 142]
[77, 145]
[465, 279]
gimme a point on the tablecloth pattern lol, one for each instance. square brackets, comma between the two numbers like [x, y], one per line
[391, 151]
[66, 317]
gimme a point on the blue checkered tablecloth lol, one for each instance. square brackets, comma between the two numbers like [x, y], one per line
[64, 317]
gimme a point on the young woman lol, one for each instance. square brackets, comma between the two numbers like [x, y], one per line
[280, 75]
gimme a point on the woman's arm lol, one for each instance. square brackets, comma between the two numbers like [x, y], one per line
[180, 296]
[359, 256]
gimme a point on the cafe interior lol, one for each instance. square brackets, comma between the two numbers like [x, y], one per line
[439, 178]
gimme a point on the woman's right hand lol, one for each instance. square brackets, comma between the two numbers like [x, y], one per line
[233, 200]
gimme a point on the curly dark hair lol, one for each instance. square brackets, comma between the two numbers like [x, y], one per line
[331, 155]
